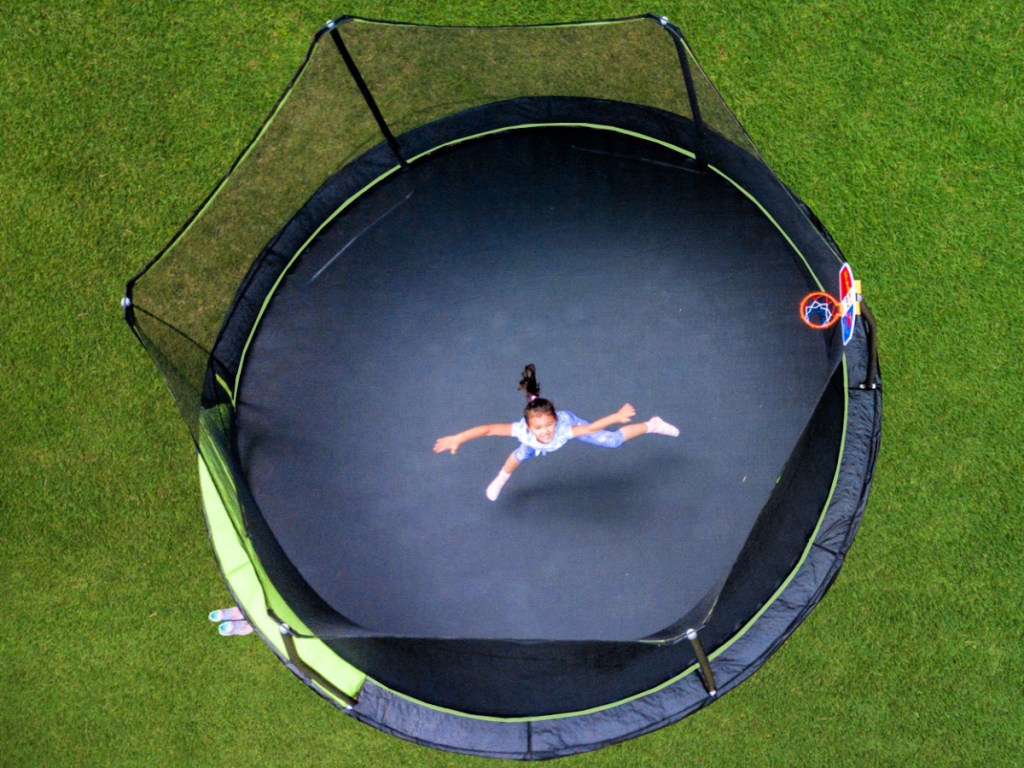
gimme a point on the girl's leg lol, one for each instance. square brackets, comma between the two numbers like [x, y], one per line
[633, 430]
[609, 439]
[655, 426]
[510, 466]
[603, 437]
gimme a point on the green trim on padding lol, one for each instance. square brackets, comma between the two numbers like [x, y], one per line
[594, 126]
[224, 385]
[541, 718]
[252, 588]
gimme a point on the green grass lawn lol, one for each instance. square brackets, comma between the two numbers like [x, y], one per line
[900, 123]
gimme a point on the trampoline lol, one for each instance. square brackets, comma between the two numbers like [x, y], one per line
[375, 271]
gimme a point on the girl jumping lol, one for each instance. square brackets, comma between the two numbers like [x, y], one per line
[544, 429]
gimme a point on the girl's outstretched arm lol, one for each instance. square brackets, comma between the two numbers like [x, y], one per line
[624, 415]
[451, 443]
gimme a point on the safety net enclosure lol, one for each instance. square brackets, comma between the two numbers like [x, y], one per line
[427, 209]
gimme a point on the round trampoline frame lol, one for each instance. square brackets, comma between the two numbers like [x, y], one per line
[550, 692]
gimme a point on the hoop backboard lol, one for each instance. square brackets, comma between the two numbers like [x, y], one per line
[848, 302]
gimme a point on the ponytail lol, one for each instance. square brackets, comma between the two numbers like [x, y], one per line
[529, 382]
[534, 403]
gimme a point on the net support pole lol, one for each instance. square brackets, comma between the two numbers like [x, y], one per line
[364, 89]
[292, 652]
[871, 379]
[707, 676]
[691, 90]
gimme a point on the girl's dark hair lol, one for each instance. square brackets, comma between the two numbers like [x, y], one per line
[529, 381]
[535, 404]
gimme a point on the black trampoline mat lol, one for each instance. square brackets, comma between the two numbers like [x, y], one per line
[625, 274]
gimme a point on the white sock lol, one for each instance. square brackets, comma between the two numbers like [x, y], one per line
[658, 426]
[494, 489]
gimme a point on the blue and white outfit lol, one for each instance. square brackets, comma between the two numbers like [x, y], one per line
[530, 446]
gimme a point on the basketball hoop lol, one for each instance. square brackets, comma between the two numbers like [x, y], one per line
[820, 310]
